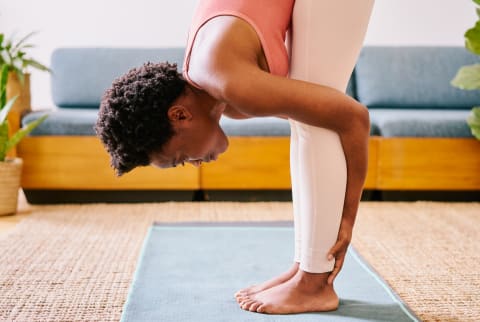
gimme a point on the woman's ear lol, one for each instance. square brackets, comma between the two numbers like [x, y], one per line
[179, 113]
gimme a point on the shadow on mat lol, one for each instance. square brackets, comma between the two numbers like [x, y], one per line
[366, 310]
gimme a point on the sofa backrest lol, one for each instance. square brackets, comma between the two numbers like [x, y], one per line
[413, 77]
[385, 77]
[81, 75]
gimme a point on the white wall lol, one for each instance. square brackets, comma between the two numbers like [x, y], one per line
[156, 23]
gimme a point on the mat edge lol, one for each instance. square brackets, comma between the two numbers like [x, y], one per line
[139, 263]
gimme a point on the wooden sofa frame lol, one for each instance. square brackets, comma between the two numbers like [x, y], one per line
[81, 163]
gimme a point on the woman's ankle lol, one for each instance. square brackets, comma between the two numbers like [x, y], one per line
[313, 281]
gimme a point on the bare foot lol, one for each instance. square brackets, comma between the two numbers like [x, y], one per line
[248, 291]
[305, 292]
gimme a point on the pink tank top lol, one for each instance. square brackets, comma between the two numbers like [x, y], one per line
[270, 19]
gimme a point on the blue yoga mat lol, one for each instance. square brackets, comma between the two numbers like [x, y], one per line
[189, 273]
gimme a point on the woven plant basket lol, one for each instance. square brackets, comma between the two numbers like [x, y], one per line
[10, 174]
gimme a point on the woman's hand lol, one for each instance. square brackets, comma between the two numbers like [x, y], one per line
[339, 250]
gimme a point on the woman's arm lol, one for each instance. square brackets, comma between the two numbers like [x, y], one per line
[234, 114]
[258, 93]
[231, 74]
[229, 70]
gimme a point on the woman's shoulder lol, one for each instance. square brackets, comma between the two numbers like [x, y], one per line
[220, 45]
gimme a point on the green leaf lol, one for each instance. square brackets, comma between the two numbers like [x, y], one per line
[17, 63]
[36, 64]
[468, 77]
[5, 57]
[476, 112]
[3, 77]
[5, 109]
[473, 121]
[2, 36]
[3, 85]
[3, 140]
[14, 54]
[472, 39]
[475, 129]
[17, 46]
[477, 2]
[478, 12]
[17, 137]
[474, 117]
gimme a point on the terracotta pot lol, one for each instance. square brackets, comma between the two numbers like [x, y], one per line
[14, 87]
[10, 174]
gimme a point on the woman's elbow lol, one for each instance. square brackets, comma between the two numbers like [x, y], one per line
[364, 118]
[358, 122]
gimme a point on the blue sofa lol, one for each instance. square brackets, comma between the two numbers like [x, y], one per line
[419, 136]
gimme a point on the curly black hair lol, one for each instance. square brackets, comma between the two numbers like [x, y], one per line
[132, 120]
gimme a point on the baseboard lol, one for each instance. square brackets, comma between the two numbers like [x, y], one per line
[37, 196]
[456, 195]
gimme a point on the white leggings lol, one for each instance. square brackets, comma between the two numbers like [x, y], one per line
[326, 39]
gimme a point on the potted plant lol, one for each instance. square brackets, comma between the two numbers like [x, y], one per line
[13, 54]
[10, 168]
[468, 77]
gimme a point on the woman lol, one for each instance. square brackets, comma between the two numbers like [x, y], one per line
[236, 64]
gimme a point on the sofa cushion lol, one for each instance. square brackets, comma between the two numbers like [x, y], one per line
[402, 77]
[81, 121]
[81, 75]
[263, 126]
[64, 121]
[420, 123]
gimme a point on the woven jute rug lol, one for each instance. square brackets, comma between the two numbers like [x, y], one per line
[76, 262]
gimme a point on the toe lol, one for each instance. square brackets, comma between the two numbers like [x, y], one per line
[253, 307]
[261, 308]
[240, 295]
[247, 304]
[239, 298]
[243, 298]
[244, 290]
[244, 301]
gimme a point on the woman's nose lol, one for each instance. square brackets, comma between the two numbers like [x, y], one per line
[195, 163]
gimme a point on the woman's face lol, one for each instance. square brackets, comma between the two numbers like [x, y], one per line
[196, 140]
